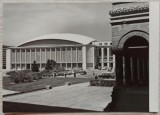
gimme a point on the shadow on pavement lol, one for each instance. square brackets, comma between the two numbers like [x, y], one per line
[24, 107]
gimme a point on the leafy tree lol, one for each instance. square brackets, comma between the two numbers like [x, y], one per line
[35, 67]
[51, 64]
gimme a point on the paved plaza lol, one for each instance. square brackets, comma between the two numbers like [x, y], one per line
[78, 96]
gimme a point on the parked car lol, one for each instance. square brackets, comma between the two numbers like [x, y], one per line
[106, 75]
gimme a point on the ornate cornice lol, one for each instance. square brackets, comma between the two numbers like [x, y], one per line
[131, 10]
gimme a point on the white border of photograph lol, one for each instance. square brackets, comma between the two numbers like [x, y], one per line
[154, 56]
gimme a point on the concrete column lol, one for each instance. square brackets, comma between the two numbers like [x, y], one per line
[30, 59]
[102, 58]
[114, 62]
[45, 55]
[138, 69]
[124, 71]
[66, 55]
[15, 59]
[40, 59]
[84, 54]
[35, 54]
[76, 55]
[55, 54]
[50, 54]
[132, 69]
[108, 56]
[25, 59]
[20, 59]
[8, 59]
[71, 58]
[93, 57]
[144, 70]
[60, 57]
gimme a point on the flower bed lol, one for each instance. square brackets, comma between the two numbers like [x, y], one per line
[103, 82]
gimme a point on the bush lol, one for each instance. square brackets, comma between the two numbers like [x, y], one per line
[11, 72]
[25, 76]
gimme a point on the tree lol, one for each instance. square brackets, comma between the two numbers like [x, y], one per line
[35, 67]
[50, 65]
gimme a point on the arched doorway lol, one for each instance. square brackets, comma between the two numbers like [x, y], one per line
[132, 59]
[136, 61]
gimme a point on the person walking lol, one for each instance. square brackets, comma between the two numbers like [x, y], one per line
[74, 74]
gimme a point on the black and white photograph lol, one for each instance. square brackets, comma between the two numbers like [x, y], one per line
[76, 57]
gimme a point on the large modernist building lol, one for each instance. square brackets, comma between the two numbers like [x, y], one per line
[68, 50]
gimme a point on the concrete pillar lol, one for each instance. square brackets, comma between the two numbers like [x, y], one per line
[94, 58]
[35, 54]
[84, 54]
[132, 69]
[138, 69]
[144, 70]
[30, 59]
[40, 59]
[60, 57]
[71, 58]
[15, 59]
[114, 62]
[108, 56]
[76, 55]
[25, 59]
[124, 71]
[102, 58]
[45, 55]
[8, 59]
[56, 54]
[50, 54]
[20, 57]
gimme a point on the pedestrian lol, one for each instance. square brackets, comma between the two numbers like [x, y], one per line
[96, 77]
[74, 74]
[65, 74]
[54, 74]
[93, 73]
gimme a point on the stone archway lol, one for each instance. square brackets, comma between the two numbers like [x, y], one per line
[130, 34]
[132, 60]
[136, 60]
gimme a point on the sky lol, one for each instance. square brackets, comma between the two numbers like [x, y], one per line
[24, 21]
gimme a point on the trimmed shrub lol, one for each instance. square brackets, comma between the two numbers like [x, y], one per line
[24, 76]
[106, 83]
[11, 72]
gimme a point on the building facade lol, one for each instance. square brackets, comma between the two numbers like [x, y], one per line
[68, 50]
[106, 60]
[5, 47]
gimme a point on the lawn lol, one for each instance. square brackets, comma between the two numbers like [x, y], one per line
[31, 86]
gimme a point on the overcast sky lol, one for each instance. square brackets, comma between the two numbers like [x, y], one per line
[26, 21]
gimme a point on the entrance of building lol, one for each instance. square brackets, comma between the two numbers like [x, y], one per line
[132, 63]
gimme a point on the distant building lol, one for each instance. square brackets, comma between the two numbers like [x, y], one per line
[106, 60]
[68, 50]
[4, 56]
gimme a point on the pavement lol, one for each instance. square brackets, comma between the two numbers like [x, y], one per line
[78, 96]
[7, 92]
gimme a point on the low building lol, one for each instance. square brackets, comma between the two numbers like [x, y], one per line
[68, 50]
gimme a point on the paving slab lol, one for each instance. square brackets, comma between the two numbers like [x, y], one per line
[79, 96]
